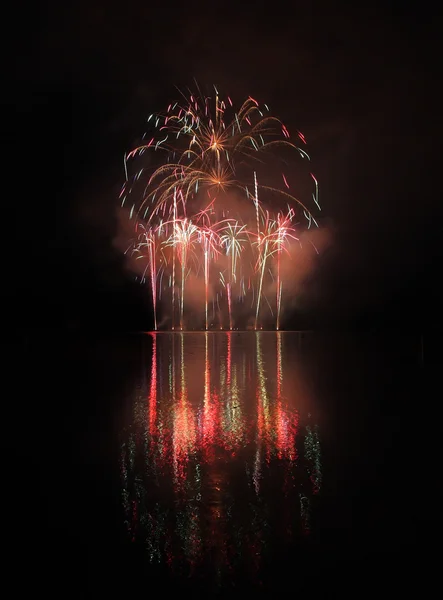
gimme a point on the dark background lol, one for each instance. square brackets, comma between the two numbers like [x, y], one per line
[362, 85]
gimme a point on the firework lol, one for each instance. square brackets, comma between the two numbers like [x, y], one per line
[209, 242]
[283, 233]
[183, 237]
[147, 241]
[201, 152]
[233, 239]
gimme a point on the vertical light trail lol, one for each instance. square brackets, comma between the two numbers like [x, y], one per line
[206, 280]
[153, 388]
[175, 447]
[260, 417]
[232, 239]
[279, 288]
[208, 422]
[263, 265]
[256, 205]
[229, 361]
[173, 259]
[182, 367]
[172, 337]
[228, 288]
[184, 430]
[262, 392]
[152, 249]
[183, 261]
[279, 365]
[284, 440]
[207, 371]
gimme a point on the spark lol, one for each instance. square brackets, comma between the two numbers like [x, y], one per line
[208, 152]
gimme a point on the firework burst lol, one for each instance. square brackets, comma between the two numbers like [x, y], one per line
[201, 152]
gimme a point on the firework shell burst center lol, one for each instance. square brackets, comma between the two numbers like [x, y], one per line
[211, 191]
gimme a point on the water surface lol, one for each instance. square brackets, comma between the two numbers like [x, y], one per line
[222, 461]
[221, 453]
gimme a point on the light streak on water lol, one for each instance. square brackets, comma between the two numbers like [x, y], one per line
[219, 429]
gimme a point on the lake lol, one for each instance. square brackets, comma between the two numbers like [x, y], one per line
[223, 461]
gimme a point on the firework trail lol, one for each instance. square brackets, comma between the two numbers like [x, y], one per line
[232, 239]
[208, 240]
[202, 152]
[263, 244]
[282, 234]
[183, 237]
[147, 241]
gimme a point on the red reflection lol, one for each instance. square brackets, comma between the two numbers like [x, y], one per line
[279, 365]
[286, 421]
[184, 431]
[220, 419]
[229, 360]
[210, 421]
[153, 387]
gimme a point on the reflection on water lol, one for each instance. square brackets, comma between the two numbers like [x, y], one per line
[220, 459]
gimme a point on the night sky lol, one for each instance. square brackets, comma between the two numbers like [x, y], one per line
[362, 86]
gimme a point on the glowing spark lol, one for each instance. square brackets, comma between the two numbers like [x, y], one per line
[211, 153]
[285, 180]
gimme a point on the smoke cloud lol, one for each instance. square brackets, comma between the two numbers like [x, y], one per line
[298, 260]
